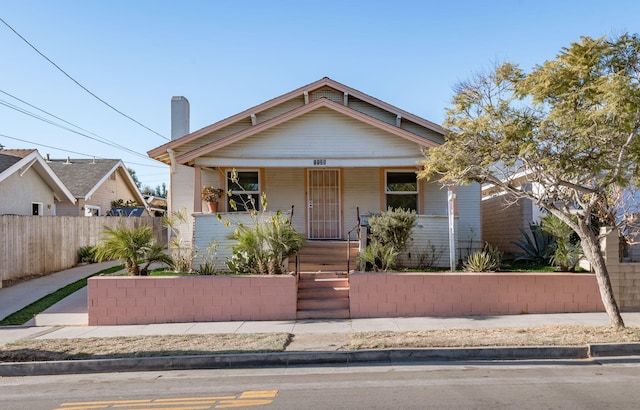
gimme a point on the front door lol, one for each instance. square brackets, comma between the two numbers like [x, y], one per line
[323, 187]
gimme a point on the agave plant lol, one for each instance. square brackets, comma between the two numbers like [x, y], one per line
[486, 260]
[536, 248]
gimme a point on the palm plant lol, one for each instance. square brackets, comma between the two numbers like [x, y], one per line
[130, 246]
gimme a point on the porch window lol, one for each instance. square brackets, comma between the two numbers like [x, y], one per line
[245, 191]
[402, 190]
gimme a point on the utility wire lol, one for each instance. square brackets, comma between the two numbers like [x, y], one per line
[80, 85]
[103, 139]
[72, 152]
[48, 121]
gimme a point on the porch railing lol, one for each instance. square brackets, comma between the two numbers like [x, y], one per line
[356, 227]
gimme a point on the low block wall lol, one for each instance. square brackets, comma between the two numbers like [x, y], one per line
[462, 294]
[124, 300]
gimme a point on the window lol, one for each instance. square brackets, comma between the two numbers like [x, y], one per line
[91, 210]
[245, 192]
[36, 209]
[402, 190]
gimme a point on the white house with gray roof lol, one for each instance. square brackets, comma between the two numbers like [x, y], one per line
[28, 186]
[95, 183]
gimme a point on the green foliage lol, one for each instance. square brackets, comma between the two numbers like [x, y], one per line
[87, 254]
[181, 252]
[390, 235]
[208, 264]
[121, 203]
[535, 248]
[566, 251]
[428, 258]
[486, 260]
[130, 245]
[262, 247]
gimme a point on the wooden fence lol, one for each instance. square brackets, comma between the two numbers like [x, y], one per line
[33, 245]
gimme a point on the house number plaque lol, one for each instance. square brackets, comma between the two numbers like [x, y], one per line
[319, 162]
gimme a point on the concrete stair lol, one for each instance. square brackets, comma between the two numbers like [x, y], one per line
[323, 256]
[323, 295]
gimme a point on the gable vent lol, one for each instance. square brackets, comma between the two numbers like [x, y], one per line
[328, 93]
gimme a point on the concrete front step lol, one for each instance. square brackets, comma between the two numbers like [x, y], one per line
[324, 292]
[323, 283]
[323, 304]
[323, 314]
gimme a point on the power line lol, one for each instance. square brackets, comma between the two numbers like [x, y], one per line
[72, 152]
[100, 139]
[23, 111]
[80, 85]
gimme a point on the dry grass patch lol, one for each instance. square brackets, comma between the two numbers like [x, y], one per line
[142, 346]
[534, 336]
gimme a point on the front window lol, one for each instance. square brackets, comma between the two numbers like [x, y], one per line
[402, 190]
[245, 190]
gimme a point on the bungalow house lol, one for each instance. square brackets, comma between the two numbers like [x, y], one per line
[327, 152]
[28, 185]
[95, 184]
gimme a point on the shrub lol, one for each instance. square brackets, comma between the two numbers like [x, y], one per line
[537, 248]
[131, 245]
[486, 260]
[390, 235]
[263, 246]
[87, 254]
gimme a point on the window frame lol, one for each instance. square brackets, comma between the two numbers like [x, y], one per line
[258, 205]
[388, 192]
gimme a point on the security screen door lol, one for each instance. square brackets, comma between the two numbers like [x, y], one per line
[324, 203]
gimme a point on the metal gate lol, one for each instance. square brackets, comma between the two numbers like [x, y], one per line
[323, 187]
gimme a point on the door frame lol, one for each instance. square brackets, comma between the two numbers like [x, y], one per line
[338, 188]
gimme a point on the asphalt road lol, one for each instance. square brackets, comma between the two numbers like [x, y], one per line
[611, 384]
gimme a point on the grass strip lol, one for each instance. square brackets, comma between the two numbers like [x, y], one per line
[29, 312]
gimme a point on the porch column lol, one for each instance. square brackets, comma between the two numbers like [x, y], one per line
[197, 187]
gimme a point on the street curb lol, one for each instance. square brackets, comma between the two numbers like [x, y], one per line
[617, 349]
[279, 359]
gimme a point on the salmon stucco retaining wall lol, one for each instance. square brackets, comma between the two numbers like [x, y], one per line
[463, 294]
[125, 300]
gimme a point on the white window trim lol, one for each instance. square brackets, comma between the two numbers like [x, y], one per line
[40, 208]
[88, 207]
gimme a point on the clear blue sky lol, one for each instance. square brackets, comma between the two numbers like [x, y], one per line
[226, 56]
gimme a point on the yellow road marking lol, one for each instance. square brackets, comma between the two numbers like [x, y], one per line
[227, 404]
[248, 398]
[194, 399]
[256, 394]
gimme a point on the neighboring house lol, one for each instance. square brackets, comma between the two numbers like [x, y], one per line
[157, 205]
[95, 184]
[327, 150]
[504, 218]
[28, 185]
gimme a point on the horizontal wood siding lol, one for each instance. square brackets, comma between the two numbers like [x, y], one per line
[361, 189]
[414, 128]
[38, 245]
[469, 224]
[430, 236]
[285, 187]
[435, 198]
[372, 111]
[214, 136]
[279, 109]
[322, 133]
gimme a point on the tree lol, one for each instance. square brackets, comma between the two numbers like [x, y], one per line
[570, 125]
[132, 172]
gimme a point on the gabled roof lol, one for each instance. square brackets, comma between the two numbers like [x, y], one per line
[161, 153]
[85, 176]
[21, 160]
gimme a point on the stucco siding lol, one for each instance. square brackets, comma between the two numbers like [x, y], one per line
[323, 133]
[19, 192]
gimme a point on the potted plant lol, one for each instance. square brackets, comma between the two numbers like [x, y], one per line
[211, 195]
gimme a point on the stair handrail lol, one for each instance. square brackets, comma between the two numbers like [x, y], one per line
[355, 227]
[297, 261]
